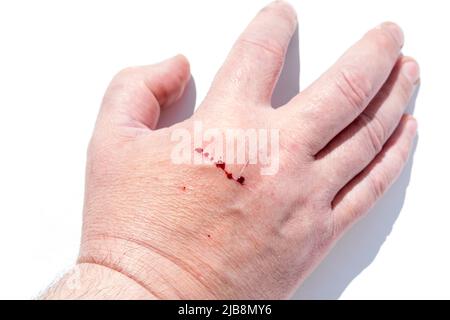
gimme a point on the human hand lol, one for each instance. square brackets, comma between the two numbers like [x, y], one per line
[166, 230]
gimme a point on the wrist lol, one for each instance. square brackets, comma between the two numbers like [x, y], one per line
[94, 281]
[162, 275]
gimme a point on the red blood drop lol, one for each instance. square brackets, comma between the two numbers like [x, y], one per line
[220, 164]
[199, 150]
[206, 154]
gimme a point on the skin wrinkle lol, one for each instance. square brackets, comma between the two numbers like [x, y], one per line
[370, 111]
[117, 263]
[111, 286]
[272, 49]
[87, 281]
[353, 87]
[376, 135]
[173, 259]
[121, 271]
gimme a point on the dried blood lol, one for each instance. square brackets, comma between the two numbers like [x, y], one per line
[220, 165]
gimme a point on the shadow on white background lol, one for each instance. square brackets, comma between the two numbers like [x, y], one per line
[361, 244]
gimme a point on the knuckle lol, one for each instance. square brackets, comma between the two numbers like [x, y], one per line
[375, 131]
[378, 184]
[329, 228]
[354, 86]
[270, 46]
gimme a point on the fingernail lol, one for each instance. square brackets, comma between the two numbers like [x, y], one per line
[395, 30]
[410, 70]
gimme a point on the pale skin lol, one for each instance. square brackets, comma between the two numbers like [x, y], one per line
[153, 229]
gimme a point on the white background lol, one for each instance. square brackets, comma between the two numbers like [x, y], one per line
[56, 58]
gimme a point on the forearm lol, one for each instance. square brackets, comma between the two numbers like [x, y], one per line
[93, 281]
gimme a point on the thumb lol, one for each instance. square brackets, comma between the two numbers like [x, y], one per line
[135, 95]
